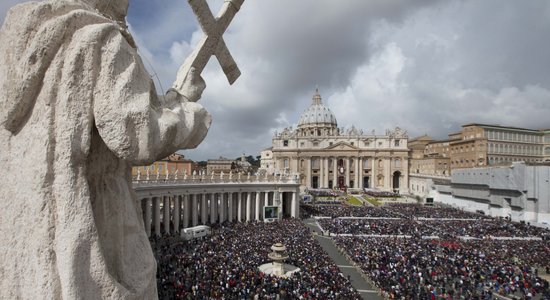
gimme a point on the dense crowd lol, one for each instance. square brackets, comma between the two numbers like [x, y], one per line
[378, 193]
[324, 192]
[442, 228]
[335, 211]
[485, 228]
[376, 227]
[436, 212]
[225, 265]
[413, 268]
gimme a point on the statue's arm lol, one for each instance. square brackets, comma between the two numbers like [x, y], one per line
[131, 119]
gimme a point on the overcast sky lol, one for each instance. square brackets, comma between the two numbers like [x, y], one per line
[426, 66]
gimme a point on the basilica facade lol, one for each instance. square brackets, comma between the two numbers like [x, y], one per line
[325, 156]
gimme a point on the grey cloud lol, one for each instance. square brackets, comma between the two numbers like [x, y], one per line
[427, 66]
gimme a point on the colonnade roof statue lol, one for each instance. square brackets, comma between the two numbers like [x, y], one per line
[77, 110]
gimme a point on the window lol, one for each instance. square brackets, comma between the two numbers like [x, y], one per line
[397, 163]
[366, 163]
[352, 143]
[302, 144]
[286, 163]
[315, 144]
[285, 143]
[396, 143]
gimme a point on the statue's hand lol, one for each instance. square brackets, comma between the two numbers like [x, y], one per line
[192, 87]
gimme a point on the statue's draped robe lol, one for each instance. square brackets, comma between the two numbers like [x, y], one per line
[77, 110]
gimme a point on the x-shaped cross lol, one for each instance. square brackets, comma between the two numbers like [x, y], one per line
[212, 43]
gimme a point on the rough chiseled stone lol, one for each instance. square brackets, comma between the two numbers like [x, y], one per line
[77, 110]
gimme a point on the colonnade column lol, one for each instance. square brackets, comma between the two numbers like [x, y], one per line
[176, 214]
[248, 206]
[257, 210]
[156, 215]
[293, 205]
[186, 208]
[166, 219]
[204, 205]
[230, 207]
[223, 209]
[240, 206]
[148, 216]
[213, 207]
[194, 210]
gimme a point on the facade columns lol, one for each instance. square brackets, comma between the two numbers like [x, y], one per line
[374, 172]
[308, 172]
[387, 174]
[266, 202]
[357, 169]
[166, 218]
[321, 179]
[177, 213]
[156, 215]
[348, 172]
[335, 172]
[326, 172]
[148, 216]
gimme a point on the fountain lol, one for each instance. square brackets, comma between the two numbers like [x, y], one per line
[278, 267]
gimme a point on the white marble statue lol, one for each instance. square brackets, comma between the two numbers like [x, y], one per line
[77, 110]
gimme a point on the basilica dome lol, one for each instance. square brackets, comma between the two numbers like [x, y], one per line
[317, 115]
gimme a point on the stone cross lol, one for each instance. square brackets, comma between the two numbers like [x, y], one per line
[212, 43]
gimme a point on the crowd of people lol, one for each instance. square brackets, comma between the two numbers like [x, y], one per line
[442, 228]
[420, 253]
[379, 194]
[324, 192]
[376, 227]
[437, 212]
[225, 265]
[344, 210]
[415, 268]
[441, 252]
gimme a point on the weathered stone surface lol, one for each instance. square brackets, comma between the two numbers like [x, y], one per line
[77, 110]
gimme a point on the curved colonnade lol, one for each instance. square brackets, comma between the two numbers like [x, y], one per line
[187, 203]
